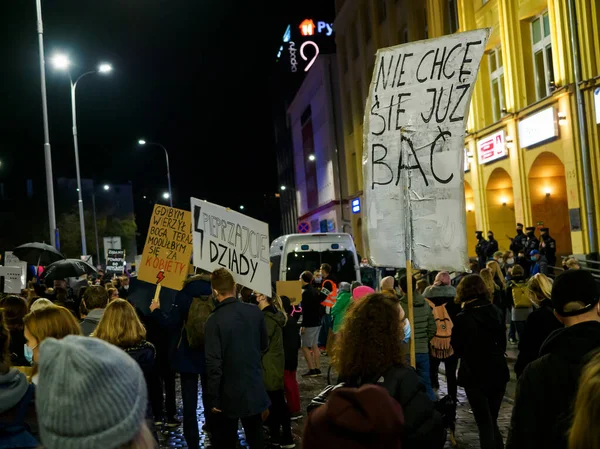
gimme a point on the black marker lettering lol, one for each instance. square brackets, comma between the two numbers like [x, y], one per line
[419, 79]
[222, 255]
[438, 63]
[456, 47]
[428, 119]
[379, 162]
[401, 164]
[465, 89]
[374, 113]
[437, 111]
[442, 135]
[400, 82]
[400, 109]
[465, 61]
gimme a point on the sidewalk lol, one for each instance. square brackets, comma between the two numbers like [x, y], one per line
[466, 429]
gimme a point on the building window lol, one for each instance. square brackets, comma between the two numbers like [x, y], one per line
[497, 82]
[542, 55]
[453, 16]
[354, 41]
[366, 21]
[382, 10]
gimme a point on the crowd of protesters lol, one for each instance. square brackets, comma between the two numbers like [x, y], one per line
[87, 368]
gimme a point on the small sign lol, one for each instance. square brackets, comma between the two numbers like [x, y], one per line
[115, 262]
[538, 128]
[12, 279]
[575, 219]
[492, 147]
[356, 206]
[303, 227]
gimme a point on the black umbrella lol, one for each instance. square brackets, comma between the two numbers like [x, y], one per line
[37, 253]
[68, 268]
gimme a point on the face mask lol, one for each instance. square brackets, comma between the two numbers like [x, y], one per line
[490, 237]
[28, 353]
[318, 280]
[530, 234]
[510, 261]
[519, 231]
[533, 259]
[126, 287]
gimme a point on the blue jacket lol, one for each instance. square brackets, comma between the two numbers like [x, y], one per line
[235, 339]
[17, 411]
[181, 358]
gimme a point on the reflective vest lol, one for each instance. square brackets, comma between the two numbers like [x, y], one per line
[332, 297]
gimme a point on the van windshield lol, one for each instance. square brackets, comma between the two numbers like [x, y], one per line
[342, 264]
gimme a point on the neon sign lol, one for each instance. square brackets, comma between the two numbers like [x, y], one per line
[307, 27]
[303, 56]
[293, 59]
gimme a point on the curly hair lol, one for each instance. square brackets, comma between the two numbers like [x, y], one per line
[472, 287]
[371, 339]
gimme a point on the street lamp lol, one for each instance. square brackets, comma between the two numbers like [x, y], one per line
[241, 207]
[62, 62]
[283, 188]
[47, 150]
[106, 187]
[169, 195]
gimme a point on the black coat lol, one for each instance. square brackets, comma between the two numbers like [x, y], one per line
[481, 251]
[423, 427]
[311, 306]
[540, 324]
[492, 247]
[547, 389]
[144, 354]
[479, 340]
[235, 338]
[518, 243]
[17, 348]
[291, 344]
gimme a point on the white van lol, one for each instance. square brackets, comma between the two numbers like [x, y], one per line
[292, 254]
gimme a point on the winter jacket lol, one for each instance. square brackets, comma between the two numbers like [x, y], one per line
[235, 339]
[338, 312]
[540, 324]
[423, 427]
[17, 348]
[356, 418]
[424, 327]
[144, 354]
[443, 294]
[291, 344]
[311, 307]
[90, 322]
[273, 359]
[17, 411]
[479, 340]
[182, 358]
[546, 391]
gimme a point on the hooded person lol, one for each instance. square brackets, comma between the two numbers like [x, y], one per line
[356, 418]
[481, 249]
[344, 300]
[90, 394]
[539, 264]
[492, 247]
[546, 391]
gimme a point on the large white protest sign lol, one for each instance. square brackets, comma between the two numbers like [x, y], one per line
[12, 279]
[10, 260]
[224, 238]
[413, 163]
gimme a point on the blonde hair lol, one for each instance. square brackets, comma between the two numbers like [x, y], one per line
[488, 280]
[56, 322]
[539, 288]
[572, 263]
[497, 271]
[276, 302]
[584, 433]
[120, 325]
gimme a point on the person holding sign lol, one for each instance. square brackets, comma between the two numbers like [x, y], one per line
[235, 339]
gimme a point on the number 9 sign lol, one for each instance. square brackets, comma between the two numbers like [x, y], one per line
[303, 56]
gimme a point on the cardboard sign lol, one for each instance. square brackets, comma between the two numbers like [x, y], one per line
[291, 289]
[12, 279]
[224, 238]
[168, 248]
[413, 163]
[115, 262]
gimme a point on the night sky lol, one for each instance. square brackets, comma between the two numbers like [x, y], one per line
[192, 75]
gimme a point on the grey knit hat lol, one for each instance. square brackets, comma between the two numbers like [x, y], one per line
[90, 394]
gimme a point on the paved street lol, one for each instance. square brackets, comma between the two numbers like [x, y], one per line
[466, 429]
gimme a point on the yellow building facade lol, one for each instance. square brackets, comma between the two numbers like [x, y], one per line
[523, 146]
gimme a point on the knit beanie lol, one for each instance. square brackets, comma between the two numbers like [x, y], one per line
[90, 394]
[442, 278]
[387, 283]
[361, 292]
[344, 287]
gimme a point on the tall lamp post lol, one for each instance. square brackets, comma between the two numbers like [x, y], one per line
[143, 142]
[62, 62]
[47, 151]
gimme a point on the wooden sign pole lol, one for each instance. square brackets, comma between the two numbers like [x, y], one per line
[156, 298]
[411, 312]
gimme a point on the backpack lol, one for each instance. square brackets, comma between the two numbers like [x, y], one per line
[440, 343]
[195, 325]
[520, 296]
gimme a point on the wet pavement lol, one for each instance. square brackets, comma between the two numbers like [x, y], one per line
[466, 429]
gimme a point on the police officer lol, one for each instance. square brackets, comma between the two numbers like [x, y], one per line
[548, 247]
[481, 249]
[532, 242]
[492, 245]
[520, 240]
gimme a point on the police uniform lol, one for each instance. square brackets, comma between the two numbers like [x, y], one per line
[481, 249]
[519, 242]
[492, 245]
[532, 242]
[548, 247]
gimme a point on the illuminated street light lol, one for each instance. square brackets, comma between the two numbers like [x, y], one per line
[60, 61]
[241, 207]
[105, 68]
[166, 195]
[141, 142]
[311, 157]
[283, 188]
[169, 194]
[106, 187]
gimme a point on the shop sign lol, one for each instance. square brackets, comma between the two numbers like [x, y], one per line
[538, 128]
[492, 147]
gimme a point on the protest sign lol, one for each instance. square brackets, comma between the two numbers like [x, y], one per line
[414, 149]
[168, 248]
[224, 238]
[12, 279]
[291, 289]
[115, 262]
[10, 260]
